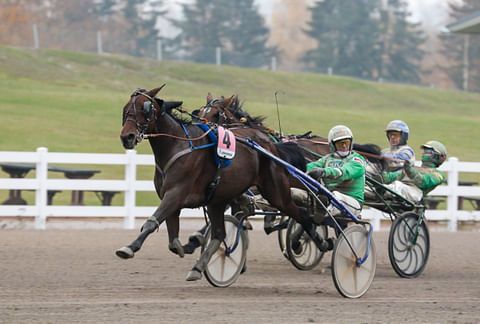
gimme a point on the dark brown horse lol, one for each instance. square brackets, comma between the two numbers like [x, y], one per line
[313, 146]
[185, 169]
[233, 115]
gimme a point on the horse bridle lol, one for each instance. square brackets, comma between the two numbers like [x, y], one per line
[149, 111]
[206, 109]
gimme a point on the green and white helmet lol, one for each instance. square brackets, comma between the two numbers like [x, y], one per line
[439, 152]
[338, 133]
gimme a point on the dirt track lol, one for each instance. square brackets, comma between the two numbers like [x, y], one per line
[73, 276]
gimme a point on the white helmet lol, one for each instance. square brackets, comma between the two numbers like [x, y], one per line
[338, 133]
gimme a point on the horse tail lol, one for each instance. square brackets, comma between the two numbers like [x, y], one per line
[292, 153]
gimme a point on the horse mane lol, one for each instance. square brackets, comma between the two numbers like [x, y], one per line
[237, 111]
[292, 153]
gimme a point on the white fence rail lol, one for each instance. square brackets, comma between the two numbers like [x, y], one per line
[41, 184]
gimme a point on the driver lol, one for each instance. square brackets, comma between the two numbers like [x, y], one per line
[426, 177]
[342, 171]
[397, 134]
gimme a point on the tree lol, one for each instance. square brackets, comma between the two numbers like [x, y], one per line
[401, 44]
[462, 50]
[362, 39]
[140, 17]
[346, 37]
[15, 23]
[234, 26]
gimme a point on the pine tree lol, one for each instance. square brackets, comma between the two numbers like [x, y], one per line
[401, 44]
[362, 39]
[461, 47]
[234, 26]
[346, 37]
[142, 16]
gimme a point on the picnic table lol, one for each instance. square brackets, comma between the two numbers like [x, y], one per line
[20, 170]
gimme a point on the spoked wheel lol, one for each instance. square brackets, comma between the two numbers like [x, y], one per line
[301, 249]
[224, 268]
[282, 236]
[353, 280]
[409, 245]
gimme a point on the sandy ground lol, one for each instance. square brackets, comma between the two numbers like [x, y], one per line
[73, 276]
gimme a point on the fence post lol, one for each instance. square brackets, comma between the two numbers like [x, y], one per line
[452, 200]
[329, 71]
[99, 42]
[130, 193]
[218, 56]
[41, 192]
[35, 36]
[274, 63]
[159, 49]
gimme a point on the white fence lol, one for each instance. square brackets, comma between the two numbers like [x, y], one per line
[130, 185]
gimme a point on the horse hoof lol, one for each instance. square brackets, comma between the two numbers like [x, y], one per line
[124, 253]
[247, 225]
[176, 247]
[194, 275]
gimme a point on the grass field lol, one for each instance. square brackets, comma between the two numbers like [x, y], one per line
[72, 102]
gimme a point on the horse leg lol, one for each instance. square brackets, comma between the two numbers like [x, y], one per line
[215, 213]
[279, 196]
[195, 240]
[169, 207]
[173, 227]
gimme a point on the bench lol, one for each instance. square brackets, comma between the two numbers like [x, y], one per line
[432, 203]
[475, 201]
[105, 196]
[20, 170]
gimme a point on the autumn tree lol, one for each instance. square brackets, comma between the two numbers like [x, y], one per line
[289, 20]
[15, 23]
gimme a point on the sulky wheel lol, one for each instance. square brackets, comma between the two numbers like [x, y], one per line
[224, 268]
[351, 279]
[301, 249]
[409, 245]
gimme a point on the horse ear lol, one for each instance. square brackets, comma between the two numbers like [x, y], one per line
[227, 102]
[152, 93]
[209, 97]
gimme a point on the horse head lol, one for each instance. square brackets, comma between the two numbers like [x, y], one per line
[218, 110]
[229, 111]
[140, 115]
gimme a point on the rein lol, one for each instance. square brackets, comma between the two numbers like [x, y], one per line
[177, 137]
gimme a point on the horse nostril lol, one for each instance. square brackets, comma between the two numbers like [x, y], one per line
[131, 138]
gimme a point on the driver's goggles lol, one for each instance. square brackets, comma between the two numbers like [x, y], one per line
[343, 142]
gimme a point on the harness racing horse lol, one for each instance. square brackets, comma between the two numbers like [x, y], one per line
[313, 146]
[233, 115]
[184, 172]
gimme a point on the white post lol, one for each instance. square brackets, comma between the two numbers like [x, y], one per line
[159, 49]
[466, 42]
[35, 36]
[452, 199]
[274, 63]
[41, 192]
[99, 42]
[130, 193]
[330, 71]
[218, 56]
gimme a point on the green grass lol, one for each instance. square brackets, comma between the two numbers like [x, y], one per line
[72, 102]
